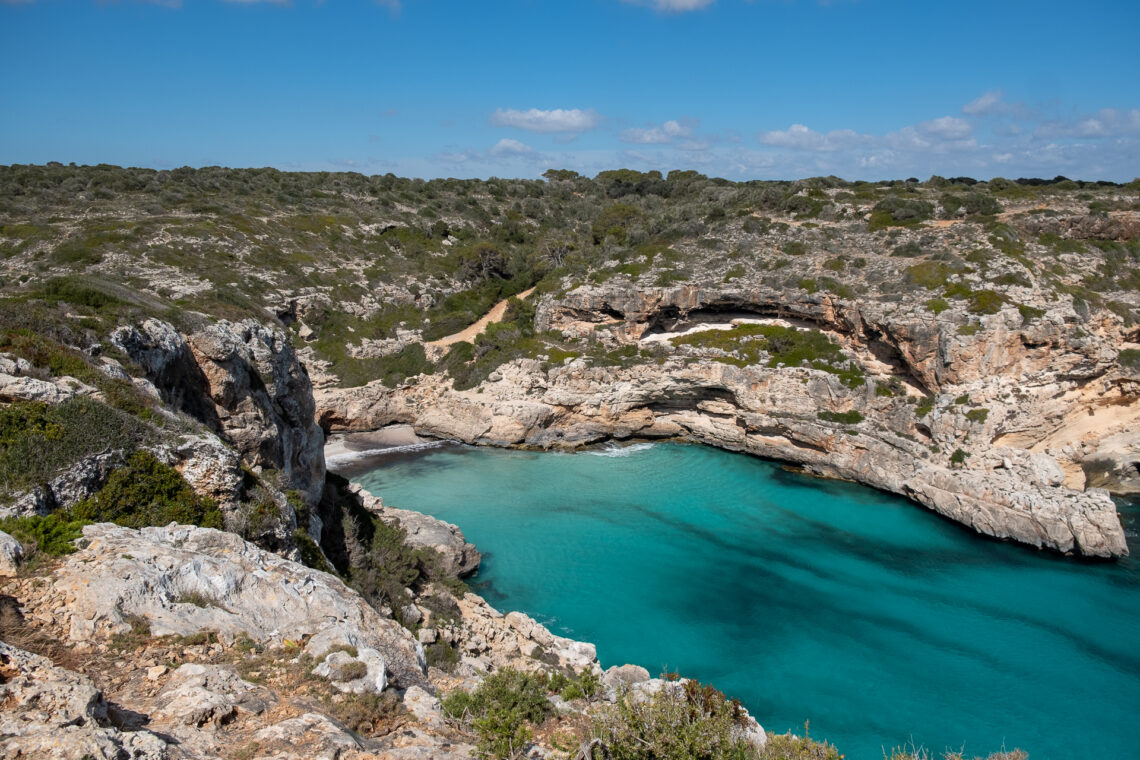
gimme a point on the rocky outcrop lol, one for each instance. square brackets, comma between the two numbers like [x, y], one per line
[57, 713]
[1086, 227]
[457, 556]
[198, 695]
[11, 555]
[951, 458]
[67, 489]
[182, 580]
[244, 382]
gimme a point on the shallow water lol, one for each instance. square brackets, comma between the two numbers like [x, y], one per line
[807, 599]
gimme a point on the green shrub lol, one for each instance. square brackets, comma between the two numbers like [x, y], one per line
[148, 492]
[986, 302]
[1129, 358]
[1029, 313]
[929, 274]
[615, 221]
[937, 305]
[924, 407]
[977, 415]
[500, 710]
[958, 457]
[441, 655]
[852, 417]
[680, 722]
[53, 535]
[791, 747]
[38, 442]
[896, 211]
[310, 553]
[79, 291]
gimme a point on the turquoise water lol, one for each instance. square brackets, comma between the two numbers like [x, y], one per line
[807, 599]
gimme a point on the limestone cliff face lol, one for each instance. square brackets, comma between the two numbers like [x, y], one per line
[952, 461]
[244, 381]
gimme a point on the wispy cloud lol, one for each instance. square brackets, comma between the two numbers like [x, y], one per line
[509, 147]
[673, 6]
[986, 103]
[800, 137]
[504, 151]
[573, 120]
[657, 135]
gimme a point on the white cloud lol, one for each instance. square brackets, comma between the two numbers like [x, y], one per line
[512, 148]
[547, 122]
[666, 133]
[946, 128]
[799, 137]
[1107, 122]
[987, 103]
[673, 6]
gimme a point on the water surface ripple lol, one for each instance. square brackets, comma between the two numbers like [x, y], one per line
[808, 599]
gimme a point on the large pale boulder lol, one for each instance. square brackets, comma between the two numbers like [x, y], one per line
[183, 580]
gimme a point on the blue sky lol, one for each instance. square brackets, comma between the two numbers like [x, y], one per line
[745, 89]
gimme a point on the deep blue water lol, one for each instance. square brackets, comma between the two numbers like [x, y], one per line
[807, 599]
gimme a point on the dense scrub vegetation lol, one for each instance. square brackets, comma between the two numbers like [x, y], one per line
[364, 266]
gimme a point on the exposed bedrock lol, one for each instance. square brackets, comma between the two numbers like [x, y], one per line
[243, 381]
[945, 459]
[904, 334]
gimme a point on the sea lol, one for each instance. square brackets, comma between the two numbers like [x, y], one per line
[822, 605]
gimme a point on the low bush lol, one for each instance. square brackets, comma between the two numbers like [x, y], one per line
[52, 535]
[896, 211]
[1129, 358]
[501, 711]
[680, 722]
[845, 418]
[148, 492]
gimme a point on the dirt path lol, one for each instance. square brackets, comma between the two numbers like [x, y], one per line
[468, 334]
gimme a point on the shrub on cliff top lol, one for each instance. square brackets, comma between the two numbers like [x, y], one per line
[680, 722]
[38, 441]
[52, 535]
[148, 492]
[500, 710]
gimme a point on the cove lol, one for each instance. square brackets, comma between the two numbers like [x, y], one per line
[807, 599]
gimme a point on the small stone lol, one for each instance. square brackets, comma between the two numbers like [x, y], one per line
[157, 672]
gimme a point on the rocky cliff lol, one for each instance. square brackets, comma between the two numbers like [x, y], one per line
[989, 450]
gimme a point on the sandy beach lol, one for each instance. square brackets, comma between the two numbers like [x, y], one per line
[343, 448]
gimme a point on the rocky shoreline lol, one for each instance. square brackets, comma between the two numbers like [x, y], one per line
[970, 467]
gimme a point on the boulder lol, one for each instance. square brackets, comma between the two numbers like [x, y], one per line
[11, 555]
[209, 695]
[183, 579]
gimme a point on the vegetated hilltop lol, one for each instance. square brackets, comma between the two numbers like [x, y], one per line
[970, 345]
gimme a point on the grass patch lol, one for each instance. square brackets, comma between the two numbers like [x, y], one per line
[745, 345]
[844, 418]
